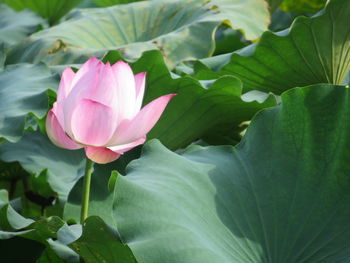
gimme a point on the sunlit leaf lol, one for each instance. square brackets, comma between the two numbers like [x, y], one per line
[177, 28]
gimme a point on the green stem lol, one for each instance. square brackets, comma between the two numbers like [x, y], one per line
[86, 190]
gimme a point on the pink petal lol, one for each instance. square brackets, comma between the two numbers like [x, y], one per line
[140, 82]
[92, 123]
[125, 89]
[101, 155]
[86, 78]
[57, 134]
[58, 111]
[98, 85]
[89, 66]
[105, 90]
[127, 147]
[129, 131]
[65, 84]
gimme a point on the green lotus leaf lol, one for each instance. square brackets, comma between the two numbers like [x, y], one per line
[281, 195]
[177, 28]
[313, 50]
[24, 92]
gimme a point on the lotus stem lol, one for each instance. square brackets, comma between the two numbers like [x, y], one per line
[86, 190]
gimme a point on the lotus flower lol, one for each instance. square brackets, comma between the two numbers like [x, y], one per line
[99, 108]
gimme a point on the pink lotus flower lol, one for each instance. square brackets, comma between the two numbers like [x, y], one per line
[99, 108]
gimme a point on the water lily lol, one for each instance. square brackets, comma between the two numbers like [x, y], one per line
[98, 108]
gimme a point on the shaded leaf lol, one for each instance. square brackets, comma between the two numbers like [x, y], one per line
[274, 4]
[281, 195]
[282, 20]
[19, 249]
[228, 40]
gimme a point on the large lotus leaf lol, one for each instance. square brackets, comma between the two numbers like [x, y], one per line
[281, 195]
[23, 91]
[36, 154]
[313, 50]
[53, 10]
[15, 26]
[230, 10]
[197, 110]
[178, 28]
